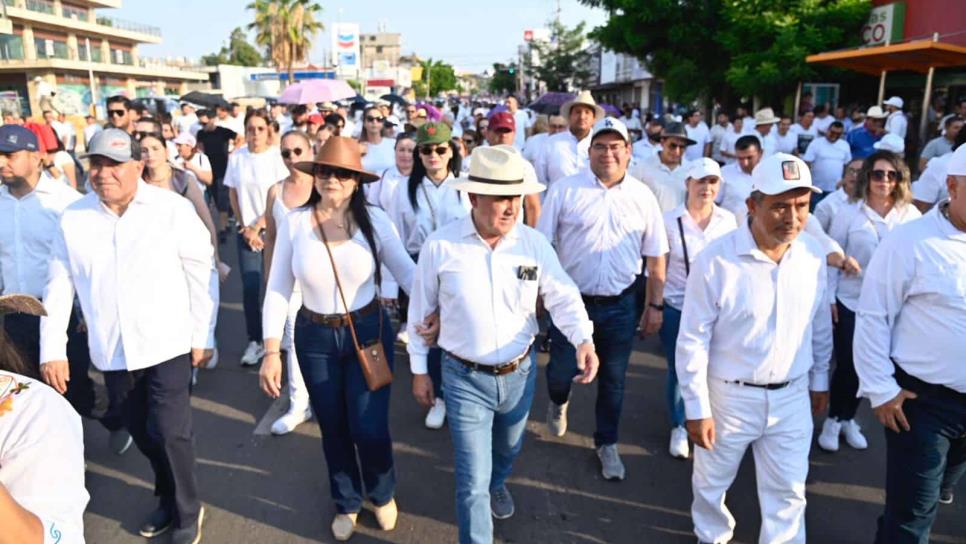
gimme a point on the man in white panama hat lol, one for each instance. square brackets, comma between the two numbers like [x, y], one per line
[483, 274]
[566, 153]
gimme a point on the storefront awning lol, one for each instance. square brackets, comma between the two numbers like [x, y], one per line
[916, 56]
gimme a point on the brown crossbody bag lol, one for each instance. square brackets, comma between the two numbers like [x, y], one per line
[372, 356]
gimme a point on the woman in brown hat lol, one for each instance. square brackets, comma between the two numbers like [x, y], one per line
[333, 247]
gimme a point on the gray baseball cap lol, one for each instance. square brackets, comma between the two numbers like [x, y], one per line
[113, 143]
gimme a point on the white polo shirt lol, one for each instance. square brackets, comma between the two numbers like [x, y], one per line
[749, 319]
[667, 184]
[722, 222]
[562, 156]
[827, 161]
[601, 234]
[913, 301]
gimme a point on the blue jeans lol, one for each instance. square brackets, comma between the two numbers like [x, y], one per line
[614, 328]
[669, 340]
[487, 416]
[250, 267]
[353, 419]
[916, 461]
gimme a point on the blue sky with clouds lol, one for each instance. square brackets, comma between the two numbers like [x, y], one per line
[469, 34]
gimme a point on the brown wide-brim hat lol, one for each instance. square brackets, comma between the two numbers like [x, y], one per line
[339, 152]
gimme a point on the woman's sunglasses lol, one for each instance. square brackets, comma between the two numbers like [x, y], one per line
[324, 172]
[289, 153]
[429, 149]
[880, 175]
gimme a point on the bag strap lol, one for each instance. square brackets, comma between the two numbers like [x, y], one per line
[429, 203]
[684, 244]
[338, 283]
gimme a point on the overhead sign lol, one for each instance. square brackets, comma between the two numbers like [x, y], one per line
[885, 24]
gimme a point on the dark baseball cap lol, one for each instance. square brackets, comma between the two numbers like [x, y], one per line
[15, 138]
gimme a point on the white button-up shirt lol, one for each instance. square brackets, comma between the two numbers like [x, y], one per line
[829, 207]
[142, 280]
[644, 149]
[667, 184]
[913, 309]
[562, 156]
[858, 229]
[735, 190]
[42, 457]
[27, 227]
[601, 234]
[437, 206]
[747, 318]
[486, 301]
[722, 222]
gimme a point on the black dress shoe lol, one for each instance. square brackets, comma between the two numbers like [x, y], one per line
[156, 523]
[189, 535]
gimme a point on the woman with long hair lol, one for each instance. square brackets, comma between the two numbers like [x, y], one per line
[882, 200]
[382, 192]
[379, 153]
[285, 196]
[422, 205]
[333, 247]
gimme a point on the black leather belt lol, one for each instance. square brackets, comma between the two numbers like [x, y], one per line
[911, 383]
[339, 320]
[604, 300]
[496, 370]
[769, 386]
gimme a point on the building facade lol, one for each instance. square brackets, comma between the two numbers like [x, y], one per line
[65, 43]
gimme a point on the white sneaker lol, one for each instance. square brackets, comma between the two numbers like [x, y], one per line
[853, 434]
[213, 362]
[253, 354]
[436, 415]
[557, 418]
[403, 335]
[829, 439]
[292, 419]
[679, 443]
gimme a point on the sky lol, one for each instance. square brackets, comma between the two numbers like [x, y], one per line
[470, 35]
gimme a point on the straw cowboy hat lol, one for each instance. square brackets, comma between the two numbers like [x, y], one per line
[339, 152]
[496, 172]
[584, 98]
[765, 116]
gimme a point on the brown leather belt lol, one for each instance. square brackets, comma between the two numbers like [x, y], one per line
[339, 320]
[496, 370]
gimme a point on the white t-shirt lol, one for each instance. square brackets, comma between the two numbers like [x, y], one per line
[251, 175]
[42, 456]
[700, 134]
[786, 143]
[90, 131]
[804, 136]
[728, 142]
[827, 161]
[380, 156]
[201, 161]
[185, 122]
[931, 185]
[822, 124]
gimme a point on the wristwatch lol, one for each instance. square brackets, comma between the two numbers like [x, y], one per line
[656, 306]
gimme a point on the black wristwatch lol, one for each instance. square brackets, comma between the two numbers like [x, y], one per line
[656, 306]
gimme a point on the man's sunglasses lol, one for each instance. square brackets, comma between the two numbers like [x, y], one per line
[429, 149]
[116, 113]
[289, 153]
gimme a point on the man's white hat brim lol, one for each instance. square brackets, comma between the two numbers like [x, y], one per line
[469, 185]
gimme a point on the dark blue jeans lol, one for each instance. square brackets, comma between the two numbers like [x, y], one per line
[916, 462]
[250, 267]
[669, 341]
[614, 328]
[354, 421]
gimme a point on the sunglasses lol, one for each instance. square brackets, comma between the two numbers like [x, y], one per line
[289, 153]
[371, 119]
[116, 113]
[469, 141]
[879, 175]
[672, 146]
[325, 172]
[439, 150]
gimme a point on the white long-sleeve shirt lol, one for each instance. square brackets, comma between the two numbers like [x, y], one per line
[897, 124]
[438, 205]
[300, 256]
[42, 456]
[27, 227]
[562, 156]
[749, 319]
[859, 229]
[142, 280]
[913, 309]
[829, 207]
[487, 297]
[601, 234]
[722, 222]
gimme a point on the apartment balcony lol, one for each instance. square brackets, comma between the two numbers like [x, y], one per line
[148, 70]
[44, 12]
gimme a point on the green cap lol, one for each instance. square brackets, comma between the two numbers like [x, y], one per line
[433, 133]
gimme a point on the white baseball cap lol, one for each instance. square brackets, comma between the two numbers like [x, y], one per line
[781, 172]
[875, 112]
[957, 163]
[704, 167]
[609, 124]
[893, 101]
[891, 142]
[185, 138]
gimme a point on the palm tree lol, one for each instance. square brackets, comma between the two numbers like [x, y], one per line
[286, 29]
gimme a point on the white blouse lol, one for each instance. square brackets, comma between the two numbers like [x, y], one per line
[438, 206]
[301, 256]
[722, 222]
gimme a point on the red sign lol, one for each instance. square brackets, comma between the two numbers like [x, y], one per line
[527, 35]
[380, 83]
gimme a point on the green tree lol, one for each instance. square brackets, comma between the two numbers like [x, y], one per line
[504, 78]
[286, 28]
[723, 48]
[238, 52]
[437, 77]
[564, 61]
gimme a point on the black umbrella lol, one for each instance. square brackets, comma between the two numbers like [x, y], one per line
[395, 99]
[205, 100]
[550, 102]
